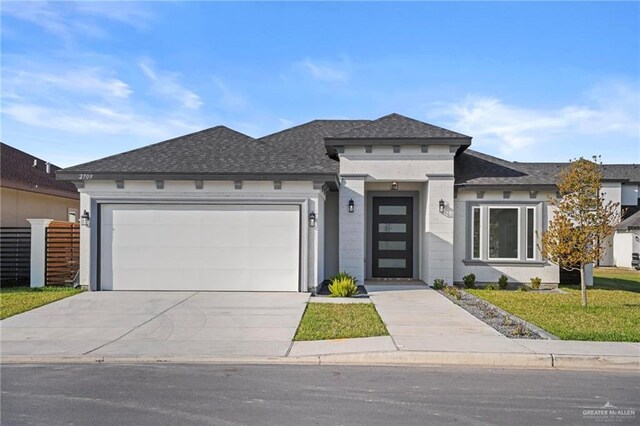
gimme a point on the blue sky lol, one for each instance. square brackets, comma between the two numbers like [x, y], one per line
[529, 81]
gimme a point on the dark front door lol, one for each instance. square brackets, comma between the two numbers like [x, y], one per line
[392, 237]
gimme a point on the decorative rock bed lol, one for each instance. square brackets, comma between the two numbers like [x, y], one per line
[507, 324]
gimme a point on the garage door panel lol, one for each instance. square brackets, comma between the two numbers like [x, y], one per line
[200, 247]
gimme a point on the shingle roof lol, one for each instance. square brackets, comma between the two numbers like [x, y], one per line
[473, 168]
[17, 171]
[223, 151]
[632, 222]
[396, 126]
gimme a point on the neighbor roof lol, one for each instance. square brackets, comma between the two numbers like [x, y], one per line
[473, 168]
[17, 171]
[632, 222]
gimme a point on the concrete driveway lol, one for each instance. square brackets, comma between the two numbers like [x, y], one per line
[156, 324]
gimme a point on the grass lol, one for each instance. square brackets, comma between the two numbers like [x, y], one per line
[323, 321]
[16, 300]
[613, 313]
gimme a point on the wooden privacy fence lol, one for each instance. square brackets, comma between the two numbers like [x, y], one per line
[62, 259]
[15, 255]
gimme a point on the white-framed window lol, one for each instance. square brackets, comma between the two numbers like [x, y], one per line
[476, 235]
[531, 233]
[504, 235]
[503, 232]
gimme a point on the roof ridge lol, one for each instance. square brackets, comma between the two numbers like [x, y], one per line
[142, 148]
[404, 117]
[306, 124]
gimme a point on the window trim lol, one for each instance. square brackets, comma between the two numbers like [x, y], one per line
[533, 234]
[473, 232]
[518, 254]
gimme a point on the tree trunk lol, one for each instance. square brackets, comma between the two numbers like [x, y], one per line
[583, 287]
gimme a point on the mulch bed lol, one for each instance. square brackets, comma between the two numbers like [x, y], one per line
[508, 325]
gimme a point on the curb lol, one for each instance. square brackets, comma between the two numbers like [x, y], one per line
[396, 358]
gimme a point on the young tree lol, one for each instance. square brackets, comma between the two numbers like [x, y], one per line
[583, 220]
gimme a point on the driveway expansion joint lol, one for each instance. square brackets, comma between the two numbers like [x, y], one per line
[143, 323]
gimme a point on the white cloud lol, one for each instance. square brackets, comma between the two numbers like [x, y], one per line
[66, 19]
[166, 85]
[228, 98]
[328, 71]
[85, 80]
[609, 110]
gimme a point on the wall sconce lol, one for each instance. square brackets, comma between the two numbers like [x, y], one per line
[85, 218]
[352, 206]
[312, 219]
[394, 186]
[441, 206]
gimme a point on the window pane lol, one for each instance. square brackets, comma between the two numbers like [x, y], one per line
[392, 227]
[530, 234]
[392, 245]
[392, 263]
[503, 233]
[476, 233]
[393, 210]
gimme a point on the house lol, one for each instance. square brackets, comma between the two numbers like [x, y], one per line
[29, 190]
[626, 242]
[392, 198]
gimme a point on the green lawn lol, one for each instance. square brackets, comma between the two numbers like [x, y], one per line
[15, 300]
[613, 313]
[323, 321]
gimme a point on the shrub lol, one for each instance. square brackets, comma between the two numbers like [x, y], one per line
[492, 287]
[343, 287]
[343, 275]
[453, 292]
[503, 282]
[535, 282]
[439, 284]
[469, 281]
[523, 288]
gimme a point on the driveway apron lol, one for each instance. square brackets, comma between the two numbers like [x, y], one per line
[156, 324]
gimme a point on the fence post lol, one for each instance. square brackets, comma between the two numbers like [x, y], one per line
[38, 250]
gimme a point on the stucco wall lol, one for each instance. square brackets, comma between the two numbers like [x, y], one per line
[17, 206]
[612, 191]
[489, 272]
[291, 192]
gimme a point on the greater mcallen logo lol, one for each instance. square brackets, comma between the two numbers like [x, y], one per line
[609, 413]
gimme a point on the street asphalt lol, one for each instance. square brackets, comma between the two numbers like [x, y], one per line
[194, 394]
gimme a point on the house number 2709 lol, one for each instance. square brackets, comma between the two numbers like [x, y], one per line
[85, 176]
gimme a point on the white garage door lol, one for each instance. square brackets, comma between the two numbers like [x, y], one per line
[199, 247]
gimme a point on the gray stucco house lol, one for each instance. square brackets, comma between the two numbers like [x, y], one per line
[392, 198]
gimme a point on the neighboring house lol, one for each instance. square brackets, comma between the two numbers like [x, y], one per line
[392, 198]
[626, 242]
[29, 190]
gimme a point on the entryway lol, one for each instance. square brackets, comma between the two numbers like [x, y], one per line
[392, 237]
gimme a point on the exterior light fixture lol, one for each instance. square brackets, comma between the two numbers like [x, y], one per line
[85, 218]
[312, 219]
[394, 186]
[441, 206]
[352, 206]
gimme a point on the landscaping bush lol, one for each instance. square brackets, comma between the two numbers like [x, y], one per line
[343, 275]
[535, 283]
[452, 291]
[503, 282]
[439, 284]
[523, 288]
[469, 281]
[343, 287]
[492, 287]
